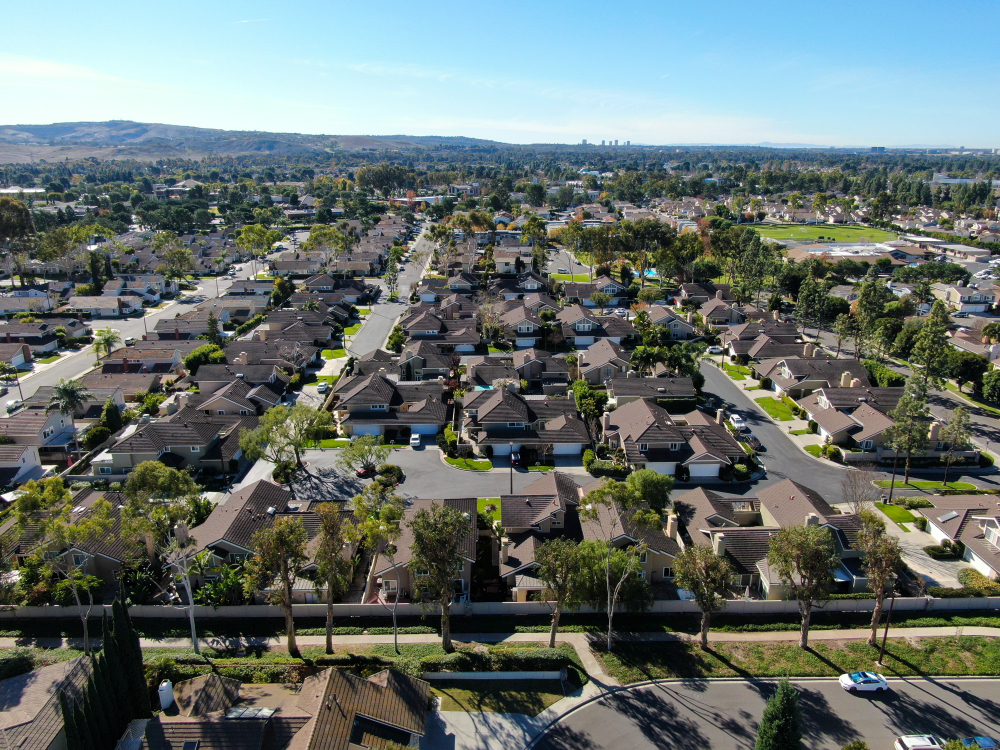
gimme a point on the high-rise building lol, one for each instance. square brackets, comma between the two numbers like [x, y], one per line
[628, 143]
[602, 143]
[584, 141]
[616, 141]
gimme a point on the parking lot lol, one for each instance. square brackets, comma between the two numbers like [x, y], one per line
[706, 714]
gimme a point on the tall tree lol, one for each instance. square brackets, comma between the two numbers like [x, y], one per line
[956, 435]
[558, 568]
[333, 566]
[780, 726]
[931, 347]
[652, 488]
[66, 398]
[391, 276]
[278, 559]
[365, 452]
[883, 556]
[284, 432]
[105, 341]
[606, 509]
[910, 422]
[803, 557]
[435, 555]
[707, 576]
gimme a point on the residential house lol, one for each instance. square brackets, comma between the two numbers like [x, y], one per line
[421, 360]
[128, 359]
[37, 427]
[131, 383]
[211, 378]
[522, 326]
[602, 361]
[702, 293]
[581, 327]
[18, 464]
[975, 342]
[32, 714]
[543, 372]
[961, 298]
[104, 307]
[653, 439]
[852, 416]
[796, 377]
[498, 421]
[718, 312]
[622, 390]
[17, 355]
[971, 520]
[680, 328]
[375, 405]
[40, 336]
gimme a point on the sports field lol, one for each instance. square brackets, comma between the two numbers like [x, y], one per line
[819, 232]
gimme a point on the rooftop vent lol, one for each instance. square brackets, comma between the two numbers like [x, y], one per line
[271, 511]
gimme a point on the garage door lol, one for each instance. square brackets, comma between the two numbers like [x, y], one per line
[567, 450]
[504, 449]
[704, 470]
[424, 429]
[367, 429]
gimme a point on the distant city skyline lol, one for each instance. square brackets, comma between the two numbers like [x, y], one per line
[846, 75]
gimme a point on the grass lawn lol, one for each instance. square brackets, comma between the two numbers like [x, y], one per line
[970, 397]
[494, 350]
[777, 409]
[473, 696]
[351, 330]
[736, 372]
[364, 311]
[581, 277]
[544, 467]
[814, 450]
[334, 353]
[800, 432]
[826, 231]
[752, 388]
[918, 485]
[635, 661]
[332, 443]
[482, 502]
[896, 513]
[470, 463]
[264, 277]
[48, 360]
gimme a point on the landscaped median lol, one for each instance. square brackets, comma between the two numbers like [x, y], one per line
[922, 485]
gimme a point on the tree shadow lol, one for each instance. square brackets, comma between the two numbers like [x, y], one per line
[561, 737]
[658, 718]
[820, 722]
[908, 714]
[325, 484]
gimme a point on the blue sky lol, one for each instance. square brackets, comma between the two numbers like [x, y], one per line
[844, 73]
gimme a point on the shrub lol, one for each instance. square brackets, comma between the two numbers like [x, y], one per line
[862, 595]
[915, 502]
[295, 384]
[18, 660]
[985, 460]
[283, 472]
[940, 552]
[250, 324]
[741, 473]
[942, 592]
[95, 436]
[813, 427]
[683, 474]
[588, 459]
[921, 523]
[442, 442]
[608, 469]
[726, 473]
[391, 472]
[881, 375]
[765, 384]
[835, 454]
[451, 437]
[973, 579]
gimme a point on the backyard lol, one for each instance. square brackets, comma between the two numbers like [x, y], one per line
[580, 277]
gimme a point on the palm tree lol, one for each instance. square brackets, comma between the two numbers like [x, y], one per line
[66, 398]
[645, 358]
[105, 340]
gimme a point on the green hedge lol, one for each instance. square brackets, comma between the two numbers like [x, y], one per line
[588, 459]
[881, 375]
[608, 469]
[942, 592]
[842, 597]
[973, 579]
[255, 321]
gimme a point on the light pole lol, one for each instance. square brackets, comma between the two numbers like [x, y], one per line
[885, 633]
[511, 456]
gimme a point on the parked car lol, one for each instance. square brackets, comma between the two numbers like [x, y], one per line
[13, 405]
[985, 743]
[961, 315]
[3, 390]
[129, 340]
[364, 472]
[515, 459]
[737, 421]
[714, 350]
[752, 441]
[855, 682]
[414, 441]
[562, 270]
[917, 742]
[323, 387]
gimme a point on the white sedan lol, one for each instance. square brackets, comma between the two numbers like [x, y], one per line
[863, 681]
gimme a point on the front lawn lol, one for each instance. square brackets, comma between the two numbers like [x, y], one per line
[827, 232]
[495, 350]
[633, 661]
[736, 372]
[814, 450]
[470, 463]
[474, 696]
[777, 409]
[921, 485]
[364, 311]
[334, 353]
[896, 513]
[331, 443]
[543, 467]
[580, 277]
[48, 360]
[985, 405]
[800, 432]
[351, 330]
[482, 502]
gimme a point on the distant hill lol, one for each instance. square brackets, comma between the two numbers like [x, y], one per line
[139, 140]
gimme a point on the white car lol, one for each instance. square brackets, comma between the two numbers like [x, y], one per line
[323, 387]
[414, 441]
[737, 421]
[917, 742]
[857, 682]
[714, 350]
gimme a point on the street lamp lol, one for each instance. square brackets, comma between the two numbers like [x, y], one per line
[888, 619]
[511, 455]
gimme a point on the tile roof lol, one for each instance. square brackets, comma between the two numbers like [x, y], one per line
[242, 515]
[30, 713]
[404, 553]
[788, 503]
[650, 387]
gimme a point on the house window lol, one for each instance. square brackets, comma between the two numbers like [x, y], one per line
[105, 470]
[583, 326]
[644, 446]
[380, 407]
[525, 329]
[220, 412]
[668, 572]
[674, 446]
[643, 556]
[79, 560]
[238, 557]
[244, 413]
[515, 424]
[196, 449]
[867, 445]
[389, 585]
[992, 536]
[641, 574]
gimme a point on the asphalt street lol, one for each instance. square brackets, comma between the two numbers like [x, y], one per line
[707, 714]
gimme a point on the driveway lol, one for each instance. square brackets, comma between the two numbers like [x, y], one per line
[708, 714]
[934, 572]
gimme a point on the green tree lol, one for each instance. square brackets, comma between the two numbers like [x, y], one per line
[607, 508]
[379, 511]
[803, 557]
[333, 565]
[810, 303]
[908, 434]
[991, 386]
[111, 417]
[213, 334]
[931, 346]
[883, 556]
[105, 340]
[956, 435]
[95, 260]
[652, 488]
[391, 276]
[209, 354]
[601, 300]
[872, 299]
[66, 398]
[845, 327]
[365, 452]
[707, 576]
[278, 559]
[967, 367]
[284, 432]
[176, 256]
[780, 726]
[437, 550]
[558, 568]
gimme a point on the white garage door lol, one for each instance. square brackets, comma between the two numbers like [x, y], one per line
[704, 470]
[568, 449]
[524, 343]
[504, 449]
[424, 429]
[367, 429]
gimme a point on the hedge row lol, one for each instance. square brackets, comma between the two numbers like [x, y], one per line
[599, 468]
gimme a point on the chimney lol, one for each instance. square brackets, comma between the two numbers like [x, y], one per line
[671, 529]
[690, 317]
[720, 416]
[606, 421]
[807, 350]
[845, 379]
[177, 334]
[934, 431]
[719, 544]
[776, 314]
[181, 532]
[718, 294]
[856, 383]
[812, 519]
[504, 549]
[630, 374]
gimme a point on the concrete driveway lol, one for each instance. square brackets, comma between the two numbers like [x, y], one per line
[709, 714]
[934, 572]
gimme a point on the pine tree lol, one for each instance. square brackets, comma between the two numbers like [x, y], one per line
[112, 417]
[930, 347]
[82, 726]
[779, 726]
[73, 739]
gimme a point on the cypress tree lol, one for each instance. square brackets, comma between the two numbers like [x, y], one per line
[73, 739]
[80, 719]
[95, 717]
[117, 718]
[111, 417]
[779, 726]
[116, 669]
[131, 652]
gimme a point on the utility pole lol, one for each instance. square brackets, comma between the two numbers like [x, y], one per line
[885, 633]
[511, 456]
